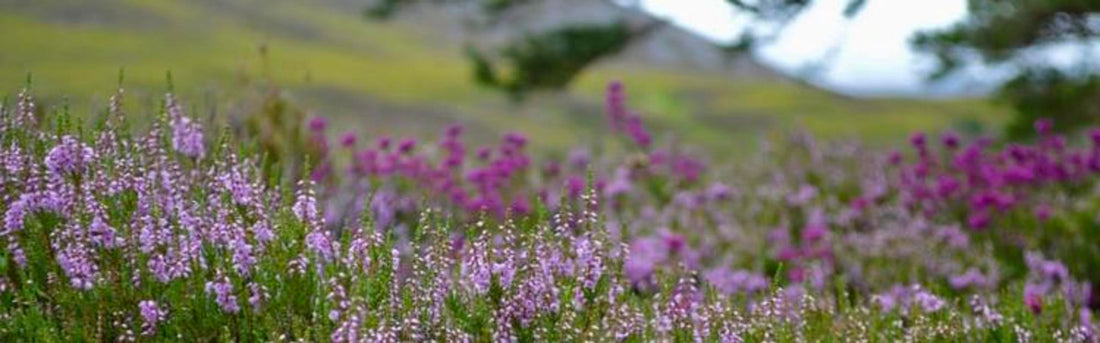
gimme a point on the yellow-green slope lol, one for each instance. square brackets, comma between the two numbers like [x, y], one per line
[402, 78]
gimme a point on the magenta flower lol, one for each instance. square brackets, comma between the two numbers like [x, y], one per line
[1043, 212]
[817, 226]
[454, 130]
[621, 119]
[515, 139]
[978, 220]
[1094, 136]
[317, 124]
[614, 106]
[673, 242]
[946, 186]
[918, 140]
[406, 146]
[348, 140]
[1044, 126]
[1033, 298]
[950, 140]
[895, 158]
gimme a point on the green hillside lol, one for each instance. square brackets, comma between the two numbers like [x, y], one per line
[401, 77]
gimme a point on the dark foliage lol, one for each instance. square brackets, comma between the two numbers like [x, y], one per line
[550, 60]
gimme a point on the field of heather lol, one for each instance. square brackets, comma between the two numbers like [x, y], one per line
[181, 229]
[549, 171]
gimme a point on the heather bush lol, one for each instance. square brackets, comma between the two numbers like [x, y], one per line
[184, 232]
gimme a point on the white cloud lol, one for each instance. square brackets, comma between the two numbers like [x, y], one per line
[874, 56]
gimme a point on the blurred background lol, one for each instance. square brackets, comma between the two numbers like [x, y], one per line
[719, 74]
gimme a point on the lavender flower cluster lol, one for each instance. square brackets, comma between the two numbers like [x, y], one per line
[173, 234]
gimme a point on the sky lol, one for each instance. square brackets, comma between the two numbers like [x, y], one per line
[870, 52]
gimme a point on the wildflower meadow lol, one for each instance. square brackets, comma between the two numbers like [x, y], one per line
[165, 226]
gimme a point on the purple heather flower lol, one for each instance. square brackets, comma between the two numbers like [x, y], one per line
[319, 243]
[151, 314]
[25, 110]
[305, 206]
[972, 278]
[619, 185]
[645, 254]
[719, 192]
[222, 291]
[1043, 212]
[1033, 298]
[551, 169]
[575, 186]
[1043, 126]
[262, 232]
[520, 206]
[78, 266]
[946, 186]
[687, 169]
[858, 204]
[954, 237]
[928, 302]
[17, 211]
[1055, 142]
[384, 208]
[978, 220]
[1018, 174]
[69, 156]
[1094, 135]
[243, 258]
[579, 159]
[918, 140]
[614, 105]
[637, 131]
[454, 130]
[317, 124]
[736, 282]
[886, 302]
[348, 140]
[950, 140]
[257, 294]
[905, 297]
[515, 139]
[484, 153]
[1046, 269]
[187, 138]
[321, 172]
[17, 253]
[895, 158]
[102, 234]
[406, 146]
[673, 242]
[805, 194]
[817, 226]
[621, 119]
